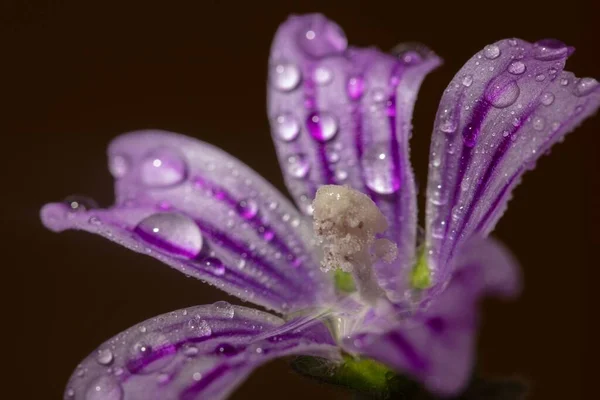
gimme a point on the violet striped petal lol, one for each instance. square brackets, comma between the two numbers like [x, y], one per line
[201, 352]
[436, 344]
[507, 106]
[342, 115]
[206, 214]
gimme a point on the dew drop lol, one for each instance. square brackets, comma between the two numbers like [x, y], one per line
[322, 126]
[378, 170]
[287, 127]
[298, 165]
[564, 82]
[321, 38]
[585, 86]
[448, 121]
[171, 232]
[189, 350]
[503, 95]
[285, 76]
[322, 75]
[355, 87]
[540, 77]
[198, 327]
[104, 357]
[538, 123]
[162, 167]
[341, 175]
[215, 266]
[104, 388]
[226, 349]
[517, 67]
[547, 98]
[150, 352]
[549, 49]
[80, 203]
[491, 51]
[333, 157]
[118, 165]
[223, 309]
[378, 95]
[247, 208]
[467, 80]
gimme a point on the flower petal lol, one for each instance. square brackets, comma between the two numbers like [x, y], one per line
[201, 352]
[208, 215]
[508, 105]
[436, 344]
[342, 115]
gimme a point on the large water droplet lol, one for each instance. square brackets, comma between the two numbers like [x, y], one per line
[223, 309]
[298, 165]
[118, 165]
[448, 121]
[285, 76]
[549, 49]
[162, 167]
[585, 86]
[378, 170]
[247, 208]
[286, 127]
[80, 203]
[104, 388]
[467, 80]
[322, 126]
[547, 98]
[517, 67]
[150, 352]
[355, 87]
[322, 75]
[491, 51]
[215, 266]
[503, 94]
[171, 232]
[104, 357]
[198, 327]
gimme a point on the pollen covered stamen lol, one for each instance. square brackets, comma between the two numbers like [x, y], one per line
[346, 222]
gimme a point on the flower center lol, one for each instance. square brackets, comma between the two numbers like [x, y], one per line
[346, 222]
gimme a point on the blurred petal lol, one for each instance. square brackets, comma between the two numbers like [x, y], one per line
[508, 105]
[342, 115]
[201, 352]
[436, 344]
[205, 213]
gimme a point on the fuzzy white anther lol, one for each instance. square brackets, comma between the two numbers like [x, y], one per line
[346, 222]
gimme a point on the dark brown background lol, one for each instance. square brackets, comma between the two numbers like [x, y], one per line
[78, 75]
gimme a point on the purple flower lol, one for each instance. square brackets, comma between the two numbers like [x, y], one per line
[339, 116]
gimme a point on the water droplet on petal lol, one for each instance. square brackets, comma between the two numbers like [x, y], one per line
[285, 76]
[247, 208]
[322, 37]
[333, 157]
[80, 203]
[322, 126]
[226, 349]
[547, 98]
[517, 67]
[287, 127]
[322, 75]
[448, 121]
[585, 86]
[162, 167]
[378, 170]
[355, 87]
[503, 95]
[540, 77]
[549, 49]
[150, 352]
[171, 232]
[198, 327]
[491, 51]
[341, 175]
[223, 309]
[118, 165]
[564, 82]
[467, 80]
[70, 393]
[104, 357]
[298, 165]
[104, 388]
[189, 350]
[538, 123]
[215, 266]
